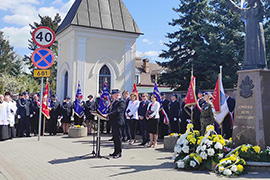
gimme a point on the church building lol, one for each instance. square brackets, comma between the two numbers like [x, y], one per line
[96, 43]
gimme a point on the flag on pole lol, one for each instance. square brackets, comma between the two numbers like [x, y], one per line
[219, 101]
[135, 88]
[156, 92]
[78, 103]
[104, 101]
[191, 95]
[45, 102]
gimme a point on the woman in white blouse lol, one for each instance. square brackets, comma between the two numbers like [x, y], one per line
[152, 115]
[132, 115]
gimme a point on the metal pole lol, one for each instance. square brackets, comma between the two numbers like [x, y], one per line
[40, 108]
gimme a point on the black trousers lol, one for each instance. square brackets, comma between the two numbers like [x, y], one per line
[163, 128]
[25, 124]
[117, 138]
[34, 123]
[52, 125]
[174, 125]
[132, 123]
[144, 132]
[226, 126]
[78, 120]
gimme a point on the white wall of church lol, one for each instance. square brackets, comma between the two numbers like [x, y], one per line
[83, 52]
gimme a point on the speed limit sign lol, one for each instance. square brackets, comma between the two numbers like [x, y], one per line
[43, 36]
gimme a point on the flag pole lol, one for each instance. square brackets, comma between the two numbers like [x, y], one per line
[220, 78]
[44, 119]
[40, 108]
[191, 114]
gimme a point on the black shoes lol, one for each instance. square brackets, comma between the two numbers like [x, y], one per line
[113, 154]
[111, 139]
[117, 156]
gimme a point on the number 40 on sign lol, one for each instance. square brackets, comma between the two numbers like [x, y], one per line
[43, 36]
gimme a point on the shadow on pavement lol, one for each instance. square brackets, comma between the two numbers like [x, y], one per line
[66, 160]
[137, 168]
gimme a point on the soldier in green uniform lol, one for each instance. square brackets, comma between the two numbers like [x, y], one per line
[207, 115]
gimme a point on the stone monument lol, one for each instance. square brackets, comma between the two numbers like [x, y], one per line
[252, 112]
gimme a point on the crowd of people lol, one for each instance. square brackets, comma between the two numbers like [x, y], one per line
[19, 116]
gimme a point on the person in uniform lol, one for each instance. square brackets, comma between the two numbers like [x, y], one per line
[207, 115]
[131, 114]
[126, 132]
[54, 113]
[227, 124]
[163, 128]
[35, 118]
[24, 112]
[184, 115]
[197, 111]
[173, 114]
[66, 109]
[12, 112]
[4, 117]
[89, 106]
[78, 120]
[142, 118]
[116, 118]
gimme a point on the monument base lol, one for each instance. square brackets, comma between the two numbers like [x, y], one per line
[252, 110]
[77, 132]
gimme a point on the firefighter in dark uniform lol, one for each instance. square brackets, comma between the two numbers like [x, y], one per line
[116, 116]
[54, 113]
[174, 108]
[197, 111]
[163, 128]
[89, 106]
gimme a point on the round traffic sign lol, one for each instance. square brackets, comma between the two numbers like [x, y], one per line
[42, 58]
[43, 36]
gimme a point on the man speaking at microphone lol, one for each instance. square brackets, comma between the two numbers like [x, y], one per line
[116, 117]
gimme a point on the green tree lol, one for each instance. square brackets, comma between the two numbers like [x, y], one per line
[53, 24]
[8, 58]
[209, 35]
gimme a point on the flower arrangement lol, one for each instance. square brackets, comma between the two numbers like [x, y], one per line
[231, 166]
[265, 155]
[186, 144]
[191, 161]
[78, 126]
[175, 134]
[249, 152]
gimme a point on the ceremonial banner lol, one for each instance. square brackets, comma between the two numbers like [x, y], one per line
[78, 104]
[156, 92]
[135, 89]
[191, 95]
[105, 100]
[45, 102]
[219, 102]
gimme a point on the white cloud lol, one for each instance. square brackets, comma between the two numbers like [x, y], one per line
[17, 19]
[11, 4]
[18, 37]
[147, 54]
[147, 41]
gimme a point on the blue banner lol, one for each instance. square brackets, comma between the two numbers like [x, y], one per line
[156, 92]
[104, 101]
[78, 104]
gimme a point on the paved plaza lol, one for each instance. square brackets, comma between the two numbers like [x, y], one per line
[58, 157]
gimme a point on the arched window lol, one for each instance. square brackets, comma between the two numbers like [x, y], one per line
[66, 84]
[104, 75]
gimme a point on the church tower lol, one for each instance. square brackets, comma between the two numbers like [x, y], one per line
[96, 42]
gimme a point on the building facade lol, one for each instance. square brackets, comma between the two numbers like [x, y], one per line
[96, 43]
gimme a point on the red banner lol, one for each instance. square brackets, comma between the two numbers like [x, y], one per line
[216, 97]
[191, 96]
[45, 103]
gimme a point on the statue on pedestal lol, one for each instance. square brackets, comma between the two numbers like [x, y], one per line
[255, 56]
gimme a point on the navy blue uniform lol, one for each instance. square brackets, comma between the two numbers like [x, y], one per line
[116, 116]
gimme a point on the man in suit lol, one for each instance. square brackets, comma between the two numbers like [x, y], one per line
[142, 118]
[174, 108]
[126, 134]
[163, 128]
[227, 123]
[89, 106]
[116, 116]
[24, 111]
[35, 118]
[54, 113]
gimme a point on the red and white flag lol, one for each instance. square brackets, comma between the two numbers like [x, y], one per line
[45, 102]
[219, 101]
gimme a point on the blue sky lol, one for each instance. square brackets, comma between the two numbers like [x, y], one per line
[152, 17]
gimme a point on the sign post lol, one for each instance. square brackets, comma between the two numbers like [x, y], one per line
[43, 59]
